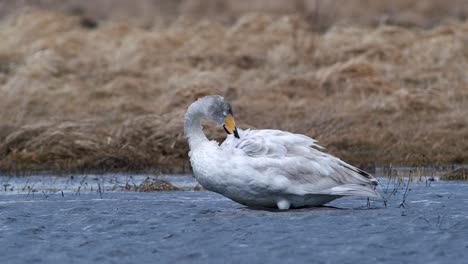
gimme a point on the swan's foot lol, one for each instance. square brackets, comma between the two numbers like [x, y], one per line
[283, 204]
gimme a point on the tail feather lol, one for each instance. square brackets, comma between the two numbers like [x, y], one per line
[354, 190]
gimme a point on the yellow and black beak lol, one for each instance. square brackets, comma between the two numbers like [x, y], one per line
[230, 126]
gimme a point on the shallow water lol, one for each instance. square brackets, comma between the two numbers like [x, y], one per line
[204, 227]
[48, 185]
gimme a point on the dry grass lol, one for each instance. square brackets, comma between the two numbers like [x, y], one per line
[151, 185]
[113, 97]
[460, 174]
[320, 14]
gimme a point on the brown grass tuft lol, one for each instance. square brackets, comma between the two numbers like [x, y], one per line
[156, 185]
[460, 174]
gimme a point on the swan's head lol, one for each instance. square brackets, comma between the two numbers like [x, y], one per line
[220, 111]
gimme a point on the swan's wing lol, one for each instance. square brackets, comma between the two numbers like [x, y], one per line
[268, 142]
[296, 158]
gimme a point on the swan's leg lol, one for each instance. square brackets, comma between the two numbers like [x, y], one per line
[283, 204]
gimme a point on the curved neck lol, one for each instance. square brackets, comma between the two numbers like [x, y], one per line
[193, 129]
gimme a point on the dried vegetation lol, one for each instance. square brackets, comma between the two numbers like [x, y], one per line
[459, 174]
[112, 97]
[151, 185]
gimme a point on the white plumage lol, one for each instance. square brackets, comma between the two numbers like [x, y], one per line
[268, 168]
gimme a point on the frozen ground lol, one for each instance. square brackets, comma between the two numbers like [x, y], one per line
[203, 227]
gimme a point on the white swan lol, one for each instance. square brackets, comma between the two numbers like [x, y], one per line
[267, 168]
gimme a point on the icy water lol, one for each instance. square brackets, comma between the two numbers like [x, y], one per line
[58, 224]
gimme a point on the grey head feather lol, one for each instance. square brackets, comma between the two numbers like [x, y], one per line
[216, 108]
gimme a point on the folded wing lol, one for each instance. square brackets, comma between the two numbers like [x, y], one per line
[298, 158]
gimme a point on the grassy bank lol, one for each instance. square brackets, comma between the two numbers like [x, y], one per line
[112, 97]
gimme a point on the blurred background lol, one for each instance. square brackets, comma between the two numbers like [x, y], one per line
[103, 85]
[321, 14]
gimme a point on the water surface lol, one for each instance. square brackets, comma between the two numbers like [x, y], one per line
[431, 226]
